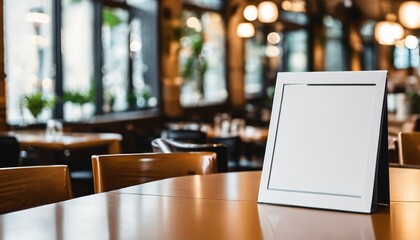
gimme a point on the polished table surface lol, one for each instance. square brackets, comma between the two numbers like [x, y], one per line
[218, 206]
[38, 138]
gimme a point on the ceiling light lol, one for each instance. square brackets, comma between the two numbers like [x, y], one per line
[388, 32]
[272, 51]
[293, 5]
[245, 30]
[250, 12]
[267, 12]
[273, 38]
[411, 42]
[409, 14]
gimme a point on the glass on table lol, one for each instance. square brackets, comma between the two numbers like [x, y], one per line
[222, 122]
[237, 126]
[54, 129]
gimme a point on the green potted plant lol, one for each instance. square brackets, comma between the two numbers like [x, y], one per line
[146, 94]
[36, 102]
[132, 99]
[195, 65]
[79, 99]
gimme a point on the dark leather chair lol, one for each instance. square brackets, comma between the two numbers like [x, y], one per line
[26, 187]
[186, 135]
[10, 151]
[113, 171]
[169, 145]
[234, 149]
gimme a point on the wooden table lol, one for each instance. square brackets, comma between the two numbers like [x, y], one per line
[249, 134]
[38, 138]
[218, 206]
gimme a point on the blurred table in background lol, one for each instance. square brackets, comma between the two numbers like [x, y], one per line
[38, 138]
[69, 148]
[249, 134]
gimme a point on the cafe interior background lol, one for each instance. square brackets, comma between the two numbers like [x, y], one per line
[133, 67]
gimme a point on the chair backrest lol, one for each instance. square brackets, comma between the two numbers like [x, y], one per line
[169, 145]
[10, 151]
[26, 187]
[159, 146]
[114, 171]
[187, 135]
[409, 148]
[233, 144]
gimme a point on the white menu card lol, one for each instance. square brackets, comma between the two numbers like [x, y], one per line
[325, 136]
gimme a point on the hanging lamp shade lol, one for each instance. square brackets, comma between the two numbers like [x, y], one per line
[245, 30]
[267, 12]
[388, 32]
[251, 12]
[293, 5]
[409, 14]
[411, 42]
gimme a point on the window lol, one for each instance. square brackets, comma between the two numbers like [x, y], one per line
[202, 58]
[295, 17]
[209, 4]
[272, 50]
[78, 57]
[115, 49]
[334, 49]
[28, 56]
[405, 58]
[369, 51]
[254, 66]
[294, 41]
[296, 51]
[87, 58]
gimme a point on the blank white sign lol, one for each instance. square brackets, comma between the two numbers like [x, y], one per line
[312, 145]
[323, 140]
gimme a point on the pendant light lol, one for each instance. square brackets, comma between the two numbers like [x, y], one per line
[409, 14]
[245, 30]
[251, 12]
[389, 31]
[267, 12]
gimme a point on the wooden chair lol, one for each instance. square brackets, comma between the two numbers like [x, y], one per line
[409, 148]
[26, 187]
[115, 171]
[169, 145]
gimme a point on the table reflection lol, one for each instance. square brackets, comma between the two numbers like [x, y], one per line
[299, 223]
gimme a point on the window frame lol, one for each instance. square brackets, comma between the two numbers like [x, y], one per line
[57, 56]
[199, 9]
